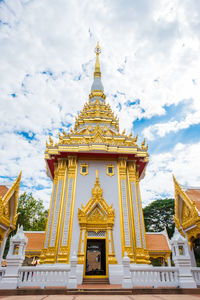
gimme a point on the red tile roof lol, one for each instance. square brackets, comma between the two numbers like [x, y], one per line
[35, 240]
[157, 242]
[194, 194]
[3, 190]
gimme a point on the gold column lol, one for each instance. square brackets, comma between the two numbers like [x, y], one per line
[111, 251]
[65, 241]
[81, 254]
[44, 251]
[62, 174]
[125, 218]
[141, 254]
[49, 255]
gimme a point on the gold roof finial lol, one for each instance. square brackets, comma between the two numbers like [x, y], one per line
[97, 72]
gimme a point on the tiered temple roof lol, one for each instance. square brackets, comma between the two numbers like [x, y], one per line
[96, 130]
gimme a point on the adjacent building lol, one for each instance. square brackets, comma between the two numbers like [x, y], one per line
[187, 216]
[8, 211]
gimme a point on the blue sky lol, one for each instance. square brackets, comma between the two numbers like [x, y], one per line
[150, 71]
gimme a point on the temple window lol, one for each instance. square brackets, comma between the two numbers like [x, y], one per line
[181, 250]
[110, 170]
[84, 169]
[16, 249]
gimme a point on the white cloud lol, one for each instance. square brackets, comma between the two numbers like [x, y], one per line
[155, 43]
[182, 161]
[161, 129]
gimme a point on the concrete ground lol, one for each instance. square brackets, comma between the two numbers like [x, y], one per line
[104, 297]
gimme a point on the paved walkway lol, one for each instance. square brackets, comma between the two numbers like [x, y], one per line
[104, 297]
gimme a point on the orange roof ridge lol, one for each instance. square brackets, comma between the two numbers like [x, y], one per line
[42, 231]
[3, 190]
[157, 241]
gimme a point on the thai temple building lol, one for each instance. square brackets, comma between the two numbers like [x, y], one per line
[95, 229]
[96, 209]
[8, 211]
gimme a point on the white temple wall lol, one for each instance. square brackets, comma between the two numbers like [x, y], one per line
[84, 186]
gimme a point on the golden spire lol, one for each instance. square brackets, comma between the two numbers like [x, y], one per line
[97, 72]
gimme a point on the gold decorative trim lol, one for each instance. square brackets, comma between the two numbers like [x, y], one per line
[64, 251]
[43, 251]
[141, 255]
[62, 174]
[122, 170]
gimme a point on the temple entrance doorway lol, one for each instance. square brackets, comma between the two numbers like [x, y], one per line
[196, 248]
[95, 264]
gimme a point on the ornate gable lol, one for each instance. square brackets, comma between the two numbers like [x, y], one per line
[8, 205]
[96, 213]
[186, 213]
[8, 212]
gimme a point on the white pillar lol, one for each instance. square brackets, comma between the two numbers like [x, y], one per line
[14, 260]
[72, 282]
[182, 260]
[168, 262]
[126, 281]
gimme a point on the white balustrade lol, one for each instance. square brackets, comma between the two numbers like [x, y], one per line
[196, 275]
[154, 276]
[44, 276]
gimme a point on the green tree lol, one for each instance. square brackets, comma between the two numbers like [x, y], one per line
[32, 215]
[158, 215]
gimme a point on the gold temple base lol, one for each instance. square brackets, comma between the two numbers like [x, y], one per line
[112, 259]
[142, 256]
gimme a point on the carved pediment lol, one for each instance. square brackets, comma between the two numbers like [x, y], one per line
[97, 216]
[96, 211]
[186, 213]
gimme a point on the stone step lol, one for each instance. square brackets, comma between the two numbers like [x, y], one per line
[96, 281]
[99, 291]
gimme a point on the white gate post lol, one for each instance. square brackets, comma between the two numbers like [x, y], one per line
[72, 282]
[14, 260]
[126, 281]
[181, 258]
